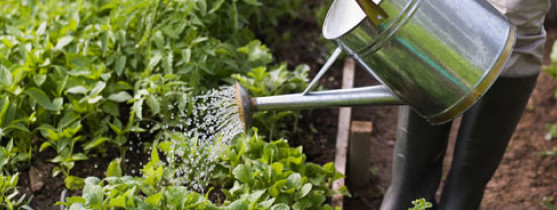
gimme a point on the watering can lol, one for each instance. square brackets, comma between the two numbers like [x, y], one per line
[437, 56]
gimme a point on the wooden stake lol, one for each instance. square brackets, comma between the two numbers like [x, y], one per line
[343, 134]
[359, 152]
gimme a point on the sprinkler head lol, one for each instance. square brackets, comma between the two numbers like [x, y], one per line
[245, 106]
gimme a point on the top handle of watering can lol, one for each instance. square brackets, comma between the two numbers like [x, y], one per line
[375, 13]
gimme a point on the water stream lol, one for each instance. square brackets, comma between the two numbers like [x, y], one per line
[206, 129]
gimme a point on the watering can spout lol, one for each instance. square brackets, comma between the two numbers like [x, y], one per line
[374, 95]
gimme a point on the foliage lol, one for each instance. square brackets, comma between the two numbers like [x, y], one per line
[10, 156]
[253, 174]
[10, 197]
[421, 204]
[80, 75]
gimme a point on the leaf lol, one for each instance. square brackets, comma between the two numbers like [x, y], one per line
[276, 188]
[120, 64]
[44, 145]
[155, 154]
[41, 29]
[253, 2]
[167, 63]
[18, 126]
[39, 79]
[118, 201]
[99, 86]
[302, 204]
[306, 189]
[94, 100]
[6, 78]
[74, 183]
[154, 199]
[267, 204]
[94, 143]
[186, 55]
[114, 169]
[138, 108]
[238, 205]
[93, 193]
[41, 98]
[254, 197]
[79, 156]
[242, 173]
[120, 97]
[295, 180]
[153, 104]
[111, 108]
[57, 103]
[277, 168]
[62, 42]
[155, 59]
[280, 206]
[5, 104]
[258, 54]
[67, 119]
[77, 90]
[116, 127]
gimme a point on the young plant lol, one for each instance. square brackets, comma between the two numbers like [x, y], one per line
[421, 204]
[10, 197]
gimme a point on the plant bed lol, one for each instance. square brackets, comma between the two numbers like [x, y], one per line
[253, 174]
[90, 87]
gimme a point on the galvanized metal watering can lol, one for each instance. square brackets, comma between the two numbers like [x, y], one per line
[438, 56]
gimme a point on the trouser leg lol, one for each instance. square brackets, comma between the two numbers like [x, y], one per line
[417, 160]
[484, 134]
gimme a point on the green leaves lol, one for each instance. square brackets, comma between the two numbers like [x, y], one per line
[74, 183]
[92, 193]
[62, 42]
[420, 204]
[242, 173]
[258, 54]
[43, 100]
[5, 77]
[79, 77]
[120, 64]
[120, 97]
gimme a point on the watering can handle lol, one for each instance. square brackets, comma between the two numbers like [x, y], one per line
[375, 13]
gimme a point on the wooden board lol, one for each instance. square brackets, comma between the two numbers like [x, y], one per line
[343, 132]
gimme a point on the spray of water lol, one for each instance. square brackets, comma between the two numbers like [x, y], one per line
[204, 130]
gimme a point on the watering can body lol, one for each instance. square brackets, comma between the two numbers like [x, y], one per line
[438, 56]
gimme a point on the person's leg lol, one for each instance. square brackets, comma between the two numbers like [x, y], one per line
[484, 133]
[417, 160]
[487, 128]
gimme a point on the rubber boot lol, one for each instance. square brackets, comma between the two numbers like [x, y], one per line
[483, 137]
[417, 160]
